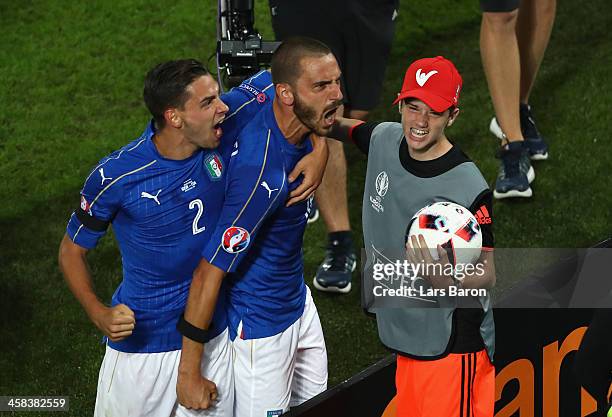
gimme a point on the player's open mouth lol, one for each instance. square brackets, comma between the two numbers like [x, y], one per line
[218, 130]
[330, 116]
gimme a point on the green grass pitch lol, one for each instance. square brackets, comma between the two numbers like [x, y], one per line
[71, 76]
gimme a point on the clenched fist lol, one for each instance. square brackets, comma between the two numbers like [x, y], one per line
[116, 322]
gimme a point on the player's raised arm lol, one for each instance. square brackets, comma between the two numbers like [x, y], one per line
[245, 101]
[355, 131]
[342, 128]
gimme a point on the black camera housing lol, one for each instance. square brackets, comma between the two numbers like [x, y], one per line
[240, 49]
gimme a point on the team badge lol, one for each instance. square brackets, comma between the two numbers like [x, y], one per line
[85, 205]
[235, 239]
[214, 166]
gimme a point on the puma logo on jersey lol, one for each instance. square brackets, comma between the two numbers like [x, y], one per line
[151, 196]
[421, 78]
[104, 178]
[267, 187]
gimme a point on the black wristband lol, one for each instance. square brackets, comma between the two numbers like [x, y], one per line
[192, 332]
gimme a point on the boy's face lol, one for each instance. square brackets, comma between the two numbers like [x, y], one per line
[424, 127]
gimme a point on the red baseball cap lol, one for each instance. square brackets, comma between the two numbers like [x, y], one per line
[435, 81]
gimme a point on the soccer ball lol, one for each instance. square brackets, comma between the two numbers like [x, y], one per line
[450, 225]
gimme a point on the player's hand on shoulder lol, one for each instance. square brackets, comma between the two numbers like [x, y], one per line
[115, 322]
[195, 392]
[312, 167]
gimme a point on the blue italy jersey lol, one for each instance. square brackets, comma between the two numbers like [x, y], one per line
[257, 238]
[163, 213]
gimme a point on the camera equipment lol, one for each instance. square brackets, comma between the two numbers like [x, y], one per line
[240, 49]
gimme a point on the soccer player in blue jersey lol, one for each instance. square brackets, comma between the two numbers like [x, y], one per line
[281, 358]
[162, 193]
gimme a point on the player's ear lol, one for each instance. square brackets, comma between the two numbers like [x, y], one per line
[173, 118]
[285, 94]
[452, 116]
[399, 106]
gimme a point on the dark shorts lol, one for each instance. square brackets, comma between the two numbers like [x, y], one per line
[499, 5]
[359, 34]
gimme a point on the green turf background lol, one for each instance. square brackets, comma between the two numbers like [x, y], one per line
[71, 77]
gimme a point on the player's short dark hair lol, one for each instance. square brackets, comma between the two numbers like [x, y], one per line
[287, 59]
[166, 86]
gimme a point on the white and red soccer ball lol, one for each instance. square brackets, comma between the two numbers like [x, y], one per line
[451, 226]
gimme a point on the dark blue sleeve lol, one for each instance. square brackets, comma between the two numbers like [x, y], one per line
[256, 187]
[245, 101]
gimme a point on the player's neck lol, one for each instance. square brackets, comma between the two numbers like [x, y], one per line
[434, 151]
[172, 145]
[291, 127]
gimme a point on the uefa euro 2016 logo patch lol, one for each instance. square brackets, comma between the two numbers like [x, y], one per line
[85, 206]
[235, 239]
[214, 166]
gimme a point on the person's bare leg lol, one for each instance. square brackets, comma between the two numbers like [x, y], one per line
[533, 29]
[334, 273]
[501, 63]
[331, 195]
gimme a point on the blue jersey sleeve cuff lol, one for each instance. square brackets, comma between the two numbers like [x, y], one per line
[223, 261]
[81, 235]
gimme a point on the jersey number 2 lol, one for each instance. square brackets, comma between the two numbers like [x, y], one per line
[194, 226]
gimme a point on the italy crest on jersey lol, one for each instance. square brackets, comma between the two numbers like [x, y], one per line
[214, 167]
[235, 239]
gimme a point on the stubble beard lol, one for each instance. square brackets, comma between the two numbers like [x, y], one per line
[307, 115]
